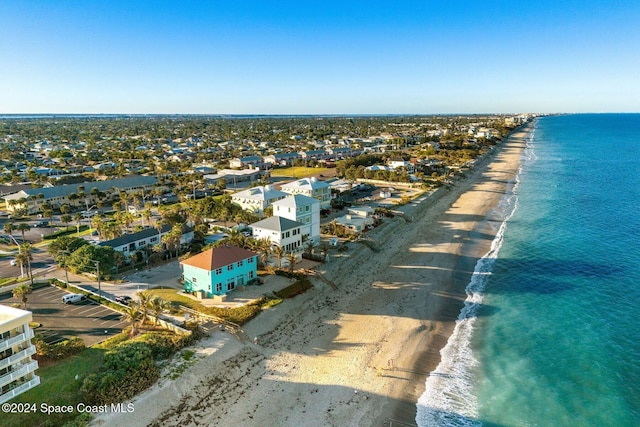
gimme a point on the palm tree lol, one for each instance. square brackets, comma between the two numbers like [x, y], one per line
[131, 314]
[279, 252]
[77, 217]
[291, 257]
[21, 293]
[157, 306]
[146, 215]
[65, 219]
[143, 302]
[22, 227]
[25, 256]
[9, 227]
[263, 247]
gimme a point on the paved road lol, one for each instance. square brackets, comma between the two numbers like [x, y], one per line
[166, 275]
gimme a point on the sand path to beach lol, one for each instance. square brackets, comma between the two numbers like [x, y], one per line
[356, 356]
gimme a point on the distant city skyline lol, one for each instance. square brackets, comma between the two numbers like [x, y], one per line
[289, 58]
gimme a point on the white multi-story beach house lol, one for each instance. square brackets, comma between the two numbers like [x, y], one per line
[257, 199]
[17, 368]
[310, 187]
[303, 209]
[280, 231]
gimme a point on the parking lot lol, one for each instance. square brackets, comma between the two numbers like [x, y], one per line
[88, 320]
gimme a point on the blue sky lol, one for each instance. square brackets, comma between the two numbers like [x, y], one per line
[329, 57]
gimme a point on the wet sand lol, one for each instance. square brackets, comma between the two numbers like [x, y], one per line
[358, 355]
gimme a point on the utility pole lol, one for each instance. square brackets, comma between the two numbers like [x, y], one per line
[97, 263]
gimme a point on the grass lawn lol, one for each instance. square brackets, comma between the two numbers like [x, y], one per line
[58, 386]
[297, 171]
[172, 295]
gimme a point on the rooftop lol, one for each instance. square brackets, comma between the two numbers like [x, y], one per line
[295, 200]
[218, 257]
[276, 223]
[266, 192]
[311, 183]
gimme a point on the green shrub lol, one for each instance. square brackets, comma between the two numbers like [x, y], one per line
[127, 370]
[300, 286]
[60, 350]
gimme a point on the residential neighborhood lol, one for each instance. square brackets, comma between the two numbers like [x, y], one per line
[196, 226]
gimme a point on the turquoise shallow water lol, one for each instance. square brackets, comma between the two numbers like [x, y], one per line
[555, 340]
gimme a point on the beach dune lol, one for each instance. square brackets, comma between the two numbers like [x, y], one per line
[359, 355]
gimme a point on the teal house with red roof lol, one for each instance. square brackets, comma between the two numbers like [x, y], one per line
[219, 271]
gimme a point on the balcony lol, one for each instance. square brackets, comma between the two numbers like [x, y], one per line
[15, 340]
[20, 389]
[12, 360]
[19, 371]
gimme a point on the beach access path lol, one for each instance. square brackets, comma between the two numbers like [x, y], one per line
[358, 355]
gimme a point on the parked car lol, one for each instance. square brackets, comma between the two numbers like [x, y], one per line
[42, 224]
[72, 298]
[13, 262]
[124, 299]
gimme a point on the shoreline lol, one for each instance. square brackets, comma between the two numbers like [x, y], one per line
[359, 355]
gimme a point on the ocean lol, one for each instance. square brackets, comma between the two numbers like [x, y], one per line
[550, 331]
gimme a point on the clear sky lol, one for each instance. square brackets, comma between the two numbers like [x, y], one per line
[320, 57]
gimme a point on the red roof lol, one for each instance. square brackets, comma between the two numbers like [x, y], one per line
[218, 257]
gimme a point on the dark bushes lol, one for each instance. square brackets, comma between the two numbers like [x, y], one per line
[127, 370]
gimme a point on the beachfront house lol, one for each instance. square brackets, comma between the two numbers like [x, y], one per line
[280, 231]
[303, 209]
[257, 199]
[219, 270]
[310, 187]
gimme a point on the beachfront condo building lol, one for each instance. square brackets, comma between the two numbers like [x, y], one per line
[17, 368]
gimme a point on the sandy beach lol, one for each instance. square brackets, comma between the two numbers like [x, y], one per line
[359, 355]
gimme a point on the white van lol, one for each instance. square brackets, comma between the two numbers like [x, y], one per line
[72, 298]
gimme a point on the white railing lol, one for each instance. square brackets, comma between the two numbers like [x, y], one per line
[20, 389]
[21, 371]
[15, 340]
[27, 352]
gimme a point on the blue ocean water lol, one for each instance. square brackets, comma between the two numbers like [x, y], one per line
[550, 335]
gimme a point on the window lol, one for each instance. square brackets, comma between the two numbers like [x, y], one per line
[250, 260]
[229, 267]
[154, 239]
[218, 271]
[218, 287]
[231, 284]
[194, 280]
[306, 208]
[239, 264]
[251, 275]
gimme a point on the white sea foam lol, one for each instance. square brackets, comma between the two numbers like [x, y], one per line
[449, 398]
